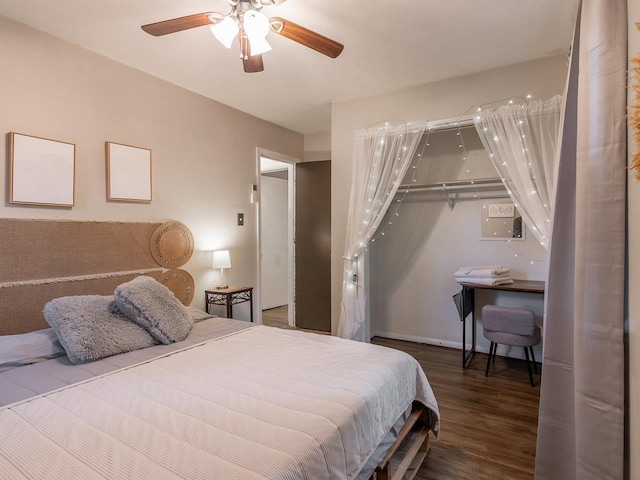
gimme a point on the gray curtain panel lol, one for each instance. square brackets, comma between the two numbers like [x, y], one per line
[581, 422]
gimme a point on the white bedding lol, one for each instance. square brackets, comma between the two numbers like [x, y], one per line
[262, 403]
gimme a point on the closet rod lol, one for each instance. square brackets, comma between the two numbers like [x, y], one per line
[454, 185]
[461, 195]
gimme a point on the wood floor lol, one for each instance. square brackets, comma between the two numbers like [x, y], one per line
[276, 317]
[488, 428]
[489, 425]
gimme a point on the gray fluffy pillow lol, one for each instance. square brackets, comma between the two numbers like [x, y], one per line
[91, 327]
[154, 307]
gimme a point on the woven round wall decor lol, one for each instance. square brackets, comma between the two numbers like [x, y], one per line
[180, 282]
[172, 244]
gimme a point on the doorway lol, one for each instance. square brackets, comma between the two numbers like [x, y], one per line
[276, 216]
[304, 218]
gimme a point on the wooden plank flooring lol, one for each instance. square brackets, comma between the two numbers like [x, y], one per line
[276, 317]
[489, 425]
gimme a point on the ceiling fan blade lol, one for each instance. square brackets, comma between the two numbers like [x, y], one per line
[272, 2]
[253, 64]
[183, 23]
[306, 37]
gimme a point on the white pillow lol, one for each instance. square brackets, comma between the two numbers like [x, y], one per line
[26, 348]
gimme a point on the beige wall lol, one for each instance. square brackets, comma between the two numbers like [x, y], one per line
[317, 146]
[634, 272]
[451, 98]
[204, 153]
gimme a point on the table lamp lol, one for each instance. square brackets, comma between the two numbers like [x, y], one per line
[221, 260]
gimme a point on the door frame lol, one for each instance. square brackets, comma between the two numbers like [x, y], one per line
[291, 202]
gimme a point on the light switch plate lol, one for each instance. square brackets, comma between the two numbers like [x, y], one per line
[241, 219]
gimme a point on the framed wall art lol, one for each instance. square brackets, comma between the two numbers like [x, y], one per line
[128, 173]
[41, 171]
[500, 220]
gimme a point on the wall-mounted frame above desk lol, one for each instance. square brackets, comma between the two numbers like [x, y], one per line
[467, 306]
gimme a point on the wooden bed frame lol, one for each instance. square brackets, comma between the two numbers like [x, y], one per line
[404, 458]
[45, 259]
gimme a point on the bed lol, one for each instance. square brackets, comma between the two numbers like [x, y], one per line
[231, 400]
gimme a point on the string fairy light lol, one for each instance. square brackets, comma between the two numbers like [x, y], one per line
[414, 167]
[517, 254]
[387, 223]
[509, 100]
[530, 189]
[469, 167]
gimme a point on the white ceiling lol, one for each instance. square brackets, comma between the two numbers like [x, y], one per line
[389, 45]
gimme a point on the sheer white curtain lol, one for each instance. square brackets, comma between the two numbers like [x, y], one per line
[521, 142]
[381, 158]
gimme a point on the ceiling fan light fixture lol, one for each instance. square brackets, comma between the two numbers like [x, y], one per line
[226, 30]
[258, 46]
[251, 27]
[256, 26]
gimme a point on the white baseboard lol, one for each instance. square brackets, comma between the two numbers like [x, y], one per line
[503, 350]
[416, 339]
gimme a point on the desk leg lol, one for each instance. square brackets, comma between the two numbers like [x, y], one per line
[464, 343]
[251, 306]
[229, 306]
[473, 329]
[466, 359]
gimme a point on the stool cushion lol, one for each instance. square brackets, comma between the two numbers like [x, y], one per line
[512, 339]
[515, 321]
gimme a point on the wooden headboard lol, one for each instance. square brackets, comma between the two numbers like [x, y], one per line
[44, 259]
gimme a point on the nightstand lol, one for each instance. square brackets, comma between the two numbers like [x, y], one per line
[228, 297]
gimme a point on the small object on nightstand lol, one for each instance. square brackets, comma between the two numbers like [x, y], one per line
[228, 297]
[221, 260]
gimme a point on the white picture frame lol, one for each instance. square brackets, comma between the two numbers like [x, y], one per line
[41, 171]
[128, 173]
[500, 220]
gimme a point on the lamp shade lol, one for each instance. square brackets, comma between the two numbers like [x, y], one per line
[258, 45]
[225, 30]
[221, 259]
[257, 26]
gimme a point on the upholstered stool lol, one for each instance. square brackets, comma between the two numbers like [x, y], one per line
[510, 326]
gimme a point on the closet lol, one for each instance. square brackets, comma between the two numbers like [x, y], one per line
[432, 228]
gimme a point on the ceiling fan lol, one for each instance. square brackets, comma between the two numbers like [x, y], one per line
[246, 22]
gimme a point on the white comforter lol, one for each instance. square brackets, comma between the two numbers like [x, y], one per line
[262, 403]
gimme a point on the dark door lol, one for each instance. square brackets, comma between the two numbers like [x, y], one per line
[313, 245]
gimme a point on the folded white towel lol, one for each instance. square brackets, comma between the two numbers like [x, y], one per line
[501, 280]
[470, 269]
[482, 271]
